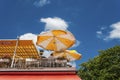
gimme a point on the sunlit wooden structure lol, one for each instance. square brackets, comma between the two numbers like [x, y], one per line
[25, 49]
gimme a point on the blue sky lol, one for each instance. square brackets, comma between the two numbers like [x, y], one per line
[94, 23]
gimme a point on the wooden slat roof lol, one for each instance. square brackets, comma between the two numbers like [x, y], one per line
[25, 49]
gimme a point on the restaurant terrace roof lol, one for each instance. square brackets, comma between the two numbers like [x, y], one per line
[25, 48]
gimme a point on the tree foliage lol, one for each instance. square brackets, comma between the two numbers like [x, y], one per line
[105, 66]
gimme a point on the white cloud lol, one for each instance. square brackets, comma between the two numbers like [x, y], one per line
[115, 33]
[29, 36]
[107, 35]
[99, 32]
[41, 3]
[54, 23]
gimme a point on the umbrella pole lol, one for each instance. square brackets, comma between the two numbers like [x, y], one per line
[14, 52]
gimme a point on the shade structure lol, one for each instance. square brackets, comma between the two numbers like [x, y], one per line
[25, 49]
[70, 55]
[56, 40]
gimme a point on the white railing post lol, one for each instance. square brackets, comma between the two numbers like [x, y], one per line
[14, 52]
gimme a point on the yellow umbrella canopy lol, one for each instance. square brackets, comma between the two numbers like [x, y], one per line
[70, 55]
[56, 40]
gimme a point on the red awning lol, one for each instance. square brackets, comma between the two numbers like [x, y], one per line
[39, 77]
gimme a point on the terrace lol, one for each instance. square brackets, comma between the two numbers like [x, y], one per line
[27, 57]
[22, 58]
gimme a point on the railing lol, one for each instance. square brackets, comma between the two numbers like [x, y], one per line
[35, 63]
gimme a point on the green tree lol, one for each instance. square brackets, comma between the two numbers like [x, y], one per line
[105, 66]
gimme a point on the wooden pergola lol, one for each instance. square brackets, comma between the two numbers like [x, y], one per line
[24, 49]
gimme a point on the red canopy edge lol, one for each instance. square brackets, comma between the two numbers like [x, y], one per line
[37, 73]
[39, 77]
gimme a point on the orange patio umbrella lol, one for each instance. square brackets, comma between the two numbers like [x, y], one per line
[70, 55]
[55, 40]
